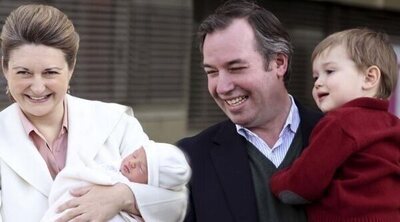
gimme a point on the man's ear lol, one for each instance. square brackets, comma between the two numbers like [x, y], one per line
[372, 78]
[281, 64]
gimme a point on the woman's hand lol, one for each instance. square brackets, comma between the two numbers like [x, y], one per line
[96, 203]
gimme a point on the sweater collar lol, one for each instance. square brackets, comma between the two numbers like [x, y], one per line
[368, 102]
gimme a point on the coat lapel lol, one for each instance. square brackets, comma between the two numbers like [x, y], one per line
[80, 128]
[90, 124]
[230, 159]
[20, 154]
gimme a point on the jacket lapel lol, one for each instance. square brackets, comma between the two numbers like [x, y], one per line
[308, 119]
[230, 159]
[20, 154]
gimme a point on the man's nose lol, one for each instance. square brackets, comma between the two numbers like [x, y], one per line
[225, 83]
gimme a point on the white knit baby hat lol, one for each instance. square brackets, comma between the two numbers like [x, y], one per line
[167, 166]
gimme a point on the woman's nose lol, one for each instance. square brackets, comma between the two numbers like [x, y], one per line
[38, 85]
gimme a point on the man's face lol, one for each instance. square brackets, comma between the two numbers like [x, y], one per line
[238, 79]
[134, 167]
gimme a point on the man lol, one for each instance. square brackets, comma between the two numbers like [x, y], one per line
[246, 55]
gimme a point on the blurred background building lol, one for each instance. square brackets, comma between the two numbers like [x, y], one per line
[143, 53]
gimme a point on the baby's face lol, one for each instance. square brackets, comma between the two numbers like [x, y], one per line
[134, 166]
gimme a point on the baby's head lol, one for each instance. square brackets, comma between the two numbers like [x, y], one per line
[351, 64]
[134, 166]
[158, 164]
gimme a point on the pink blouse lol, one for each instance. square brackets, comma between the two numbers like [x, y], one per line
[53, 154]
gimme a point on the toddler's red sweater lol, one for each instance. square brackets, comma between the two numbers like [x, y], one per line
[350, 172]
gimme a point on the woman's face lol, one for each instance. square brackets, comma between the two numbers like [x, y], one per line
[38, 79]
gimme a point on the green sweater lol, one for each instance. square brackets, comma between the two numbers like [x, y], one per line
[271, 209]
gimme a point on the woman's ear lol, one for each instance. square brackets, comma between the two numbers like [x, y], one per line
[71, 70]
[372, 78]
[3, 67]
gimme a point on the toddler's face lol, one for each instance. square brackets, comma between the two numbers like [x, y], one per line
[337, 79]
[134, 167]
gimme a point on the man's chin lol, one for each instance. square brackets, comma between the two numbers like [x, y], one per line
[238, 120]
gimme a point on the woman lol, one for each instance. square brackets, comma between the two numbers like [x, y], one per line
[43, 130]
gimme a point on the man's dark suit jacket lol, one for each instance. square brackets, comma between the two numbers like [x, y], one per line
[221, 188]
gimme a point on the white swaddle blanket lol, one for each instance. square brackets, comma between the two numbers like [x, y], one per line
[82, 173]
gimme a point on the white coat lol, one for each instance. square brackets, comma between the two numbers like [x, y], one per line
[105, 132]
